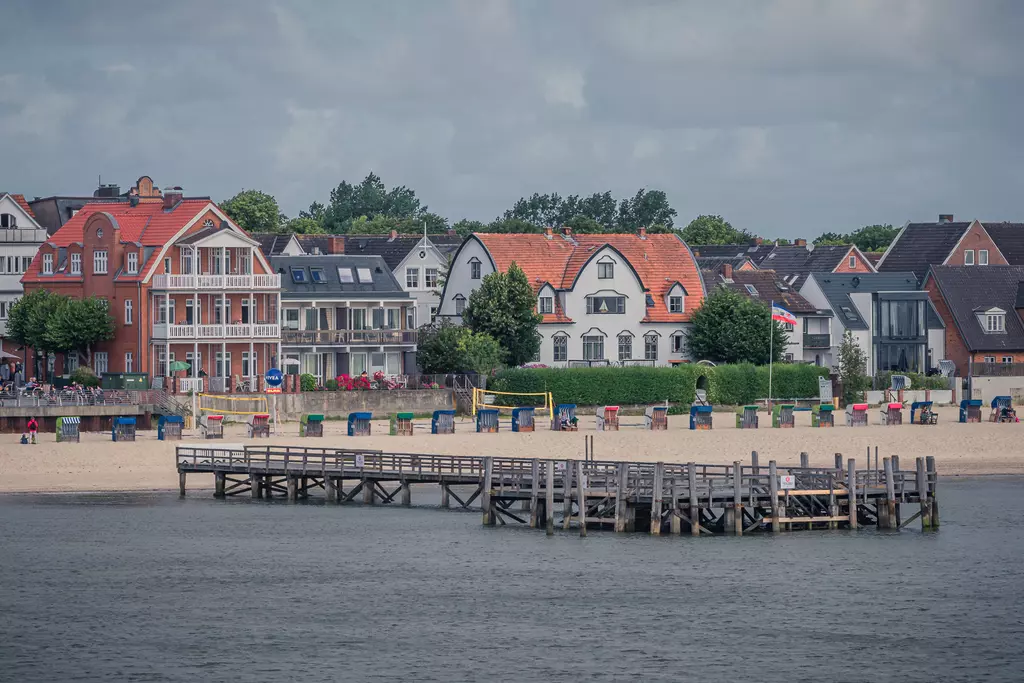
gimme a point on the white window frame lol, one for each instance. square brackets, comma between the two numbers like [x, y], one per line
[560, 348]
[47, 264]
[460, 304]
[853, 261]
[132, 262]
[222, 363]
[410, 317]
[651, 346]
[433, 313]
[983, 257]
[995, 322]
[606, 270]
[100, 362]
[345, 275]
[430, 278]
[969, 257]
[167, 265]
[592, 309]
[76, 263]
[672, 300]
[545, 305]
[412, 277]
[475, 269]
[99, 261]
[364, 276]
[625, 343]
[990, 359]
[593, 340]
[128, 311]
[129, 361]
[678, 343]
[248, 371]
[1008, 359]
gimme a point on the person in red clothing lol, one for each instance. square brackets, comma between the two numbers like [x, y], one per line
[33, 427]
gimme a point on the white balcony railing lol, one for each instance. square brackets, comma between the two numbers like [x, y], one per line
[260, 331]
[193, 384]
[217, 282]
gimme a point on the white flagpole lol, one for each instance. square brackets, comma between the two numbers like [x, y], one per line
[771, 354]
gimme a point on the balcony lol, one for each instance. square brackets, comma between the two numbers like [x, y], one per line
[216, 282]
[818, 341]
[23, 235]
[348, 337]
[242, 331]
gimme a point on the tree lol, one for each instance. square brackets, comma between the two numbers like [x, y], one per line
[466, 227]
[503, 307]
[253, 211]
[713, 230]
[412, 225]
[853, 365]
[437, 348]
[868, 238]
[647, 207]
[481, 352]
[304, 225]
[370, 198]
[730, 328]
[76, 325]
[831, 239]
[599, 212]
[28, 321]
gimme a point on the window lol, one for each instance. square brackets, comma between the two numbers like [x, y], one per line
[678, 343]
[186, 262]
[969, 257]
[433, 313]
[100, 362]
[222, 364]
[132, 261]
[99, 233]
[71, 363]
[26, 261]
[129, 361]
[560, 348]
[902, 319]
[545, 305]
[995, 322]
[675, 304]
[222, 312]
[853, 261]
[412, 278]
[430, 278]
[605, 270]
[47, 264]
[600, 305]
[8, 220]
[378, 318]
[167, 265]
[345, 275]
[650, 347]
[983, 257]
[298, 275]
[460, 304]
[208, 223]
[625, 347]
[99, 262]
[247, 369]
[410, 318]
[751, 290]
[474, 269]
[1007, 359]
[195, 361]
[127, 311]
[3, 310]
[593, 347]
[76, 264]
[318, 275]
[394, 318]
[990, 359]
[365, 276]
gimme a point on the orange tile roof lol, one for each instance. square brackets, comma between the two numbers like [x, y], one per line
[23, 203]
[660, 261]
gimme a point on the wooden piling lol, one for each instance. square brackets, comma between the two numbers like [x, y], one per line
[805, 460]
[567, 495]
[406, 494]
[922, 493]
[581, 497]
[656, 498]
[219, 479]
[851, 490]
[839, 461]
[833, 504]
[753, 462]
[485, 492]
[737, 496]
[181, 484]
[549, 497]
[256, 485]
[675, 521]
[293, 489]
[933, 485]
[369, 495]
[445, 496]
[890, 497]
[691, 473]
[621, 500]
[773, 492]
[534, 493]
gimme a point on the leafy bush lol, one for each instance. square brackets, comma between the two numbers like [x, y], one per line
[917, 380]
[85, 376]
[307, 382]
[331, 385]
[726, 384]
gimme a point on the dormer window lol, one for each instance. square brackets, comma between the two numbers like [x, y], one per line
[460, 304]
[675, 304]
[995, 322]
[751, 290]
[132, 262]
[47, 264]
[474, 269]
[545, 305]
[605, 269]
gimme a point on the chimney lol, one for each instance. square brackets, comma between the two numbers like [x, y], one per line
[643, 232]
[800, 242]
[172, 196]
[566, 231]
[335, 245]
[758, 241]
[549, 232]
[727, 271]
[945, 218]
[451, 232]
[133, 197]
[393, 235]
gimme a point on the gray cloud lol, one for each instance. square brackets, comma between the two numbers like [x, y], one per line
[789, 117]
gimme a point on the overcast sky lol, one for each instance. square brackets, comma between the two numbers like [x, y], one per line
[788, 117]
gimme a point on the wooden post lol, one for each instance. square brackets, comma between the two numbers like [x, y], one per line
[922, 493]
[737, 495]
[256, 485]
[581, 497]
[445, 496]
[406, 494]
[485, 488]
[218, 484]
[933, 485]
[890, 496]
[839, 461]
[851, 490]
[369, 495]
[656, 498]
[833, 505]
[753, 462]
[549, 497]
[534, 493]
[621, 501]
[805, 460]
[728, 513]
[691, 473]
[181, 484]
[293, 488]
[675, 522]
[773, 491]
[567, 494]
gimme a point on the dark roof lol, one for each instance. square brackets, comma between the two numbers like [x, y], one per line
[271, 244]
[837, 288]
[1009, 237]
[755, 252]
[794, 263]
[203, 233]
[920, 245]
[394, 249]
[316, 243]
[1019, 303]
[767, 286]
[53, 212]
[715, 263]
[383, 284]
[967, 289]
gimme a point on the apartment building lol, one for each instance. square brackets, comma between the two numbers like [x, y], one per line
[20, 239]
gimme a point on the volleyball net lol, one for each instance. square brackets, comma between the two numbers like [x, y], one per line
[509, 400]
[215, 404]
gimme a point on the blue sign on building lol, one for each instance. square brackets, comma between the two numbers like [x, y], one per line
[274, 377]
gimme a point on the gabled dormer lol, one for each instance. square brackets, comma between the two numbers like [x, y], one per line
[992, 319]
[675, 299]
[546, 299]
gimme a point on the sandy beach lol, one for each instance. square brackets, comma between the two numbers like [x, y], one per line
[97, 464]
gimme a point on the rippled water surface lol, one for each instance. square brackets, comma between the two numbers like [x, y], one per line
[148, 587]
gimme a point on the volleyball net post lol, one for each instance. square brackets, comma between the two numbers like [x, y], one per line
[510, 400]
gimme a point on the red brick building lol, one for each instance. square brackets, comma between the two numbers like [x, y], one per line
[183, 282]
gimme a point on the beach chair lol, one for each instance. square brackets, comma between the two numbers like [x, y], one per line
[259, 426]
[892, 414]
[169, 427]
[1002, 410]
[921, 413]
[123, 429]
[68, 429]
[522, 419]
[442, 422]
[608, 419]
[897, 385]
[746, 417]
[823, 415]
[487, 420]
[970, 410]
[359, 424]
[565, 418]
[212, 426]
[700, 417]
[311, 424]
[857, 415]
[401, 424]
[656, 418]
[825, 391]
[783, 416]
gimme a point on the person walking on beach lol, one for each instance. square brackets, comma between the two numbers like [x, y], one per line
[33, 427]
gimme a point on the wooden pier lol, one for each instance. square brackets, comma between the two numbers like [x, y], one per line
[655, 498]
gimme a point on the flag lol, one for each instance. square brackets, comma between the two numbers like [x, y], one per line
[783, 316]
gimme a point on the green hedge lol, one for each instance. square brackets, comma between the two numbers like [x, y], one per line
[726, 384]
[917, 380]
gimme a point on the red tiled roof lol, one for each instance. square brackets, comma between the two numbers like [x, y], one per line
[660, 261]
[23, 203]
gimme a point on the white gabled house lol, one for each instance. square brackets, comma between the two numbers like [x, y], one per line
[20, 239]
